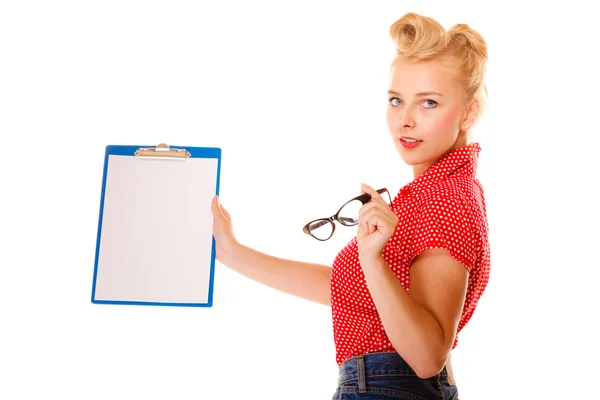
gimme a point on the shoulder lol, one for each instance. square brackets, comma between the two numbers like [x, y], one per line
[449, 214]
[448, 193]
[460, 194]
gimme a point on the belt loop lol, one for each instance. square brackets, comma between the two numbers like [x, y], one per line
[362, 379]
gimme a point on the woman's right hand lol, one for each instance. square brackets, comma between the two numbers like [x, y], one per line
[225, 240]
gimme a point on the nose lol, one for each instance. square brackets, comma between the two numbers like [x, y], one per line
[406, 119]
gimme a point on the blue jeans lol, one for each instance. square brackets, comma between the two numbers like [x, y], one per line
[386, 376]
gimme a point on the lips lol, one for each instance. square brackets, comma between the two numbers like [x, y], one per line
[407, 139]
[409, 142]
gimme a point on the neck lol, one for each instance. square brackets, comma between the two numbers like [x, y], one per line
[461, 142]
[418, 170]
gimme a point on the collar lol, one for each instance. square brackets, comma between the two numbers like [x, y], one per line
[461, 161]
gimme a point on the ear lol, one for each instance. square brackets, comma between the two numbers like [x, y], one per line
[471, 114]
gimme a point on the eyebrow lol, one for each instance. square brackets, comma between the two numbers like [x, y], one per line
[420, 94]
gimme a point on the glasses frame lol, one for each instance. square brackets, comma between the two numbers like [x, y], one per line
[363, 198]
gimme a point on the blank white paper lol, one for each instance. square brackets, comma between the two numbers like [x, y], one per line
[156, 232]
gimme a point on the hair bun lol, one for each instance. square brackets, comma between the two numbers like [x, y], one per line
[416, 34]
[421, 38]
[466, 37]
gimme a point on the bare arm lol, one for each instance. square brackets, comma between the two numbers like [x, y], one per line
[301, 279]
[422, 325]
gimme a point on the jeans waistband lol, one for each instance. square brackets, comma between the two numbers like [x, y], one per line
[373, 364]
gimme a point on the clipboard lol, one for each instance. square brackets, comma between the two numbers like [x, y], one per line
[154, 243]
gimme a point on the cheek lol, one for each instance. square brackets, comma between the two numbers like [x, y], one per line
[447, 122]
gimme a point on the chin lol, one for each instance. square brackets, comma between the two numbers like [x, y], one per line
[410, 161]
[412, 158]
[422, 156]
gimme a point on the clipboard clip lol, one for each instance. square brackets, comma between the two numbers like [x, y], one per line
[162, 151]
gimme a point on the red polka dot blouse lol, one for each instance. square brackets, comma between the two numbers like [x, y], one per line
[444, 207]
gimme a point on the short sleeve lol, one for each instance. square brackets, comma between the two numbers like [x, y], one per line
[444, 221]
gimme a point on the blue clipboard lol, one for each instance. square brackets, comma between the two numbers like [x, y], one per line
[154, 242]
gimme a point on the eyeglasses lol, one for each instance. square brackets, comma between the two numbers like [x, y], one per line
[322, 229]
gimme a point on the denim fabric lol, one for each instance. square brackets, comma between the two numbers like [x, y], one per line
[386, 376]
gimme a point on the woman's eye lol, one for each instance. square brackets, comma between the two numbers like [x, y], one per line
[395, 101]
[430, 104]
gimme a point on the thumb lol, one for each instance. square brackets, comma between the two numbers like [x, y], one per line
[218, 210]
[214, 207]
[225, 212]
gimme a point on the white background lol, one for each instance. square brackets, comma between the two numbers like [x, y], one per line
[295, 95]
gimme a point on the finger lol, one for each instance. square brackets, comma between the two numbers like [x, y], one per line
[377, 215]
[367, 208]
[360, 233]
[375, 220]
[368, 189]
[371, 227]
[363, 231]
[368, 221]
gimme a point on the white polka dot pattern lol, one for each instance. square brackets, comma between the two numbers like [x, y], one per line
[442, 208]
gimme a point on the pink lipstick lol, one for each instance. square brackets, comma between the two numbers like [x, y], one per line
[409, 142]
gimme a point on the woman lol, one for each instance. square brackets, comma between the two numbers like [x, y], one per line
[410, 280]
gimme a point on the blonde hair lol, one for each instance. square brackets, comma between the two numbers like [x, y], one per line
[420, 38]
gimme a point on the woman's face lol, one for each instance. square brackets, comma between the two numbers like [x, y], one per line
[426, 112]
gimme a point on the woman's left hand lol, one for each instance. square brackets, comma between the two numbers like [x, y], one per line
[376, 225]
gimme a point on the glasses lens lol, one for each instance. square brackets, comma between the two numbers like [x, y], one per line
[349, 213]
[386, 197]
[321, 229]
